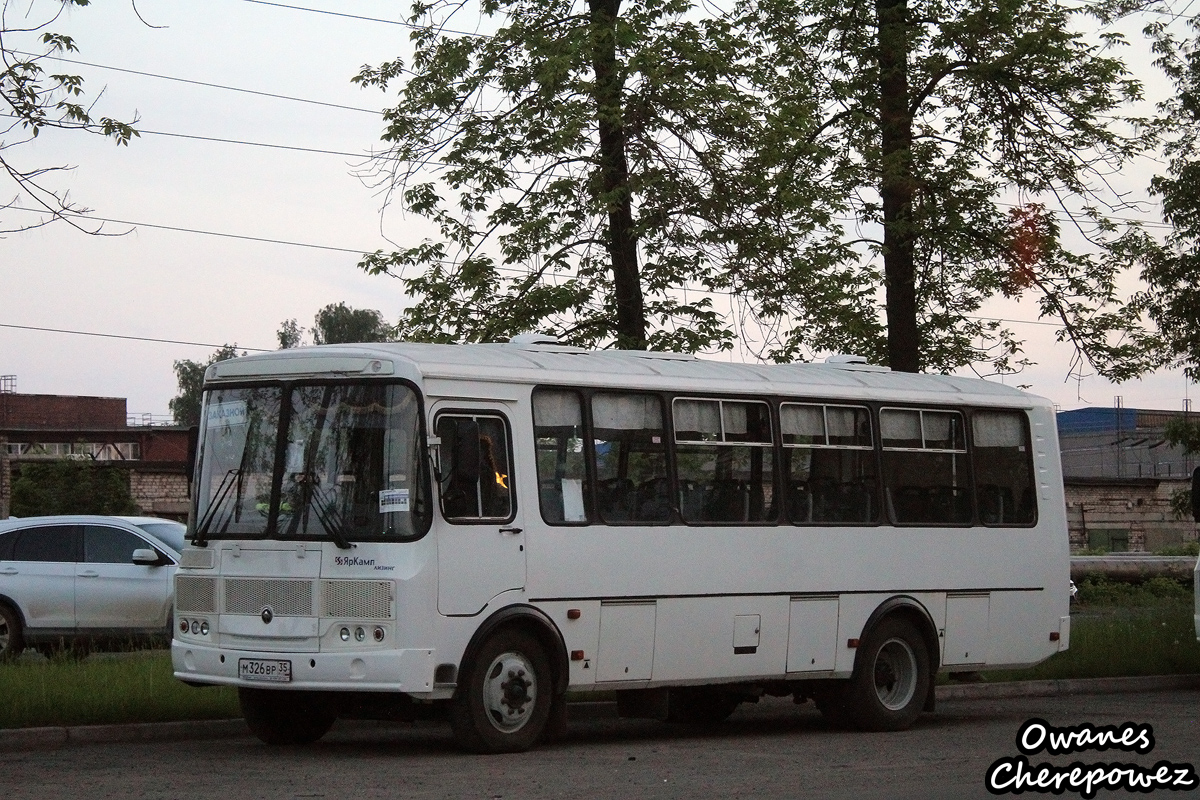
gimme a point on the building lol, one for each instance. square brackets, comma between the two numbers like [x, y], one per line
[1120, 476]
[39, 427]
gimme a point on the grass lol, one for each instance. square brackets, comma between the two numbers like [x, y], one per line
[128, 687]
[1121, 629]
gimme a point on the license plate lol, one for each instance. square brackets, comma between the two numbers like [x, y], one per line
[265, 669]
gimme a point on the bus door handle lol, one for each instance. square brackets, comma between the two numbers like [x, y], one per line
[8, 571]
[511, 531]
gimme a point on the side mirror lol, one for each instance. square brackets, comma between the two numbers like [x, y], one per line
[145, 557]
[193, 444]
[1196, 494]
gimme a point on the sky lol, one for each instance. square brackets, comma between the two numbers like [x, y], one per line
[153, 282]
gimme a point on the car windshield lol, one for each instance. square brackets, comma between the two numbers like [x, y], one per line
[338, 461]
[170, 533]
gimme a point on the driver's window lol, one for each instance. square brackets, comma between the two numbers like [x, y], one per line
[476, 473]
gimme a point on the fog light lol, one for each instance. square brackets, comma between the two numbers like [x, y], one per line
[345, 634]
[360, 634]
[195, 626]
[204, 628]
[183, 626]
[379, 634]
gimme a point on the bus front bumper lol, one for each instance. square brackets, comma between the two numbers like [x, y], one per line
[409, 671]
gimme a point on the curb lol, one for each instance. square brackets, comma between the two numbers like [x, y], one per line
[1066, 686]
[54, 737]
[40, 738]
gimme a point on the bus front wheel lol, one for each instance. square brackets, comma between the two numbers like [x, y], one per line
[504, 703]
[891, 678]
[286, 717]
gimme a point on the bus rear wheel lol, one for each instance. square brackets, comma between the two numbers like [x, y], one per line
[891, 678]
[285, 717]
[503, 704]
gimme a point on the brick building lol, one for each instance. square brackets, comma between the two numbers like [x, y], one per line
[1119, 474]
[39, 427]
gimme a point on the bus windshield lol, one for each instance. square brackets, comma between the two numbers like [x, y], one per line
[334, 461]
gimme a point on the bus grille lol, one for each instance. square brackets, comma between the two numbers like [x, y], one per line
[357, 599]
[251, 595]
[196, 595]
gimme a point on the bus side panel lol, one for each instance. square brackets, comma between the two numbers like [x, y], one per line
[720, 637]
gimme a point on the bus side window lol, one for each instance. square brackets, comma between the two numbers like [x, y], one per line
[630, 458]
[476, 473]
[925, 467]
[561, 468]
[724, 459]
[1003, 473]
[828, 464]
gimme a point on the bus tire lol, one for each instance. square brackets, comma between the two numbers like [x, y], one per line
[891, 677]
[504, 703]
[12, 640]
[286, 717]
[700, 705]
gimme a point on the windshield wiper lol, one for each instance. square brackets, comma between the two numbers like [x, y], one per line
[326, 512]
[223, 491]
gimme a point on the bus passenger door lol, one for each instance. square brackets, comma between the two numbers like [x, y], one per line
[481, 547]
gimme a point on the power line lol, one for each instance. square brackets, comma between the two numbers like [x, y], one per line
[204, 83]
[131, 338]
[191, 230]
[401, 23]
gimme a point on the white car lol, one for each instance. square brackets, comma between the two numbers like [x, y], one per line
[84, 581]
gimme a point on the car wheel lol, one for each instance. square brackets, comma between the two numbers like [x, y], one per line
[12, 640]
[285, 717]
[700, 705]
[504, 703]
[891, 678]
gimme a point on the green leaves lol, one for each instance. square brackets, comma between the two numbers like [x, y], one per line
[38, 100]
[743, 157]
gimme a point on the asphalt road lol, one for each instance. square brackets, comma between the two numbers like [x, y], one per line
[772, 750]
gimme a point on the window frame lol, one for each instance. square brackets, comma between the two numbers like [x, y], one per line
[286, 386]
[474, 413]
[1027, 429]
[772, 406]
[963, 413]
[872, 408]
[591, 516]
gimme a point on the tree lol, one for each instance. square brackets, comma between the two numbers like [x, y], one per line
[35, 100]
[573, 161]
[185, 407]
[71, 486]
[959, 154]
[338, 323]
[856, 177]
[290, 334]
[1172, 272]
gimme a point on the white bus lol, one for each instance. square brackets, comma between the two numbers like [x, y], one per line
[396, 530]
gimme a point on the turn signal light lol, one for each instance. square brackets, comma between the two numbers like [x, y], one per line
[344, 633]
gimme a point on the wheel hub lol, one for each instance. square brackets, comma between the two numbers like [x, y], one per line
[895, 674]
[509, 692]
